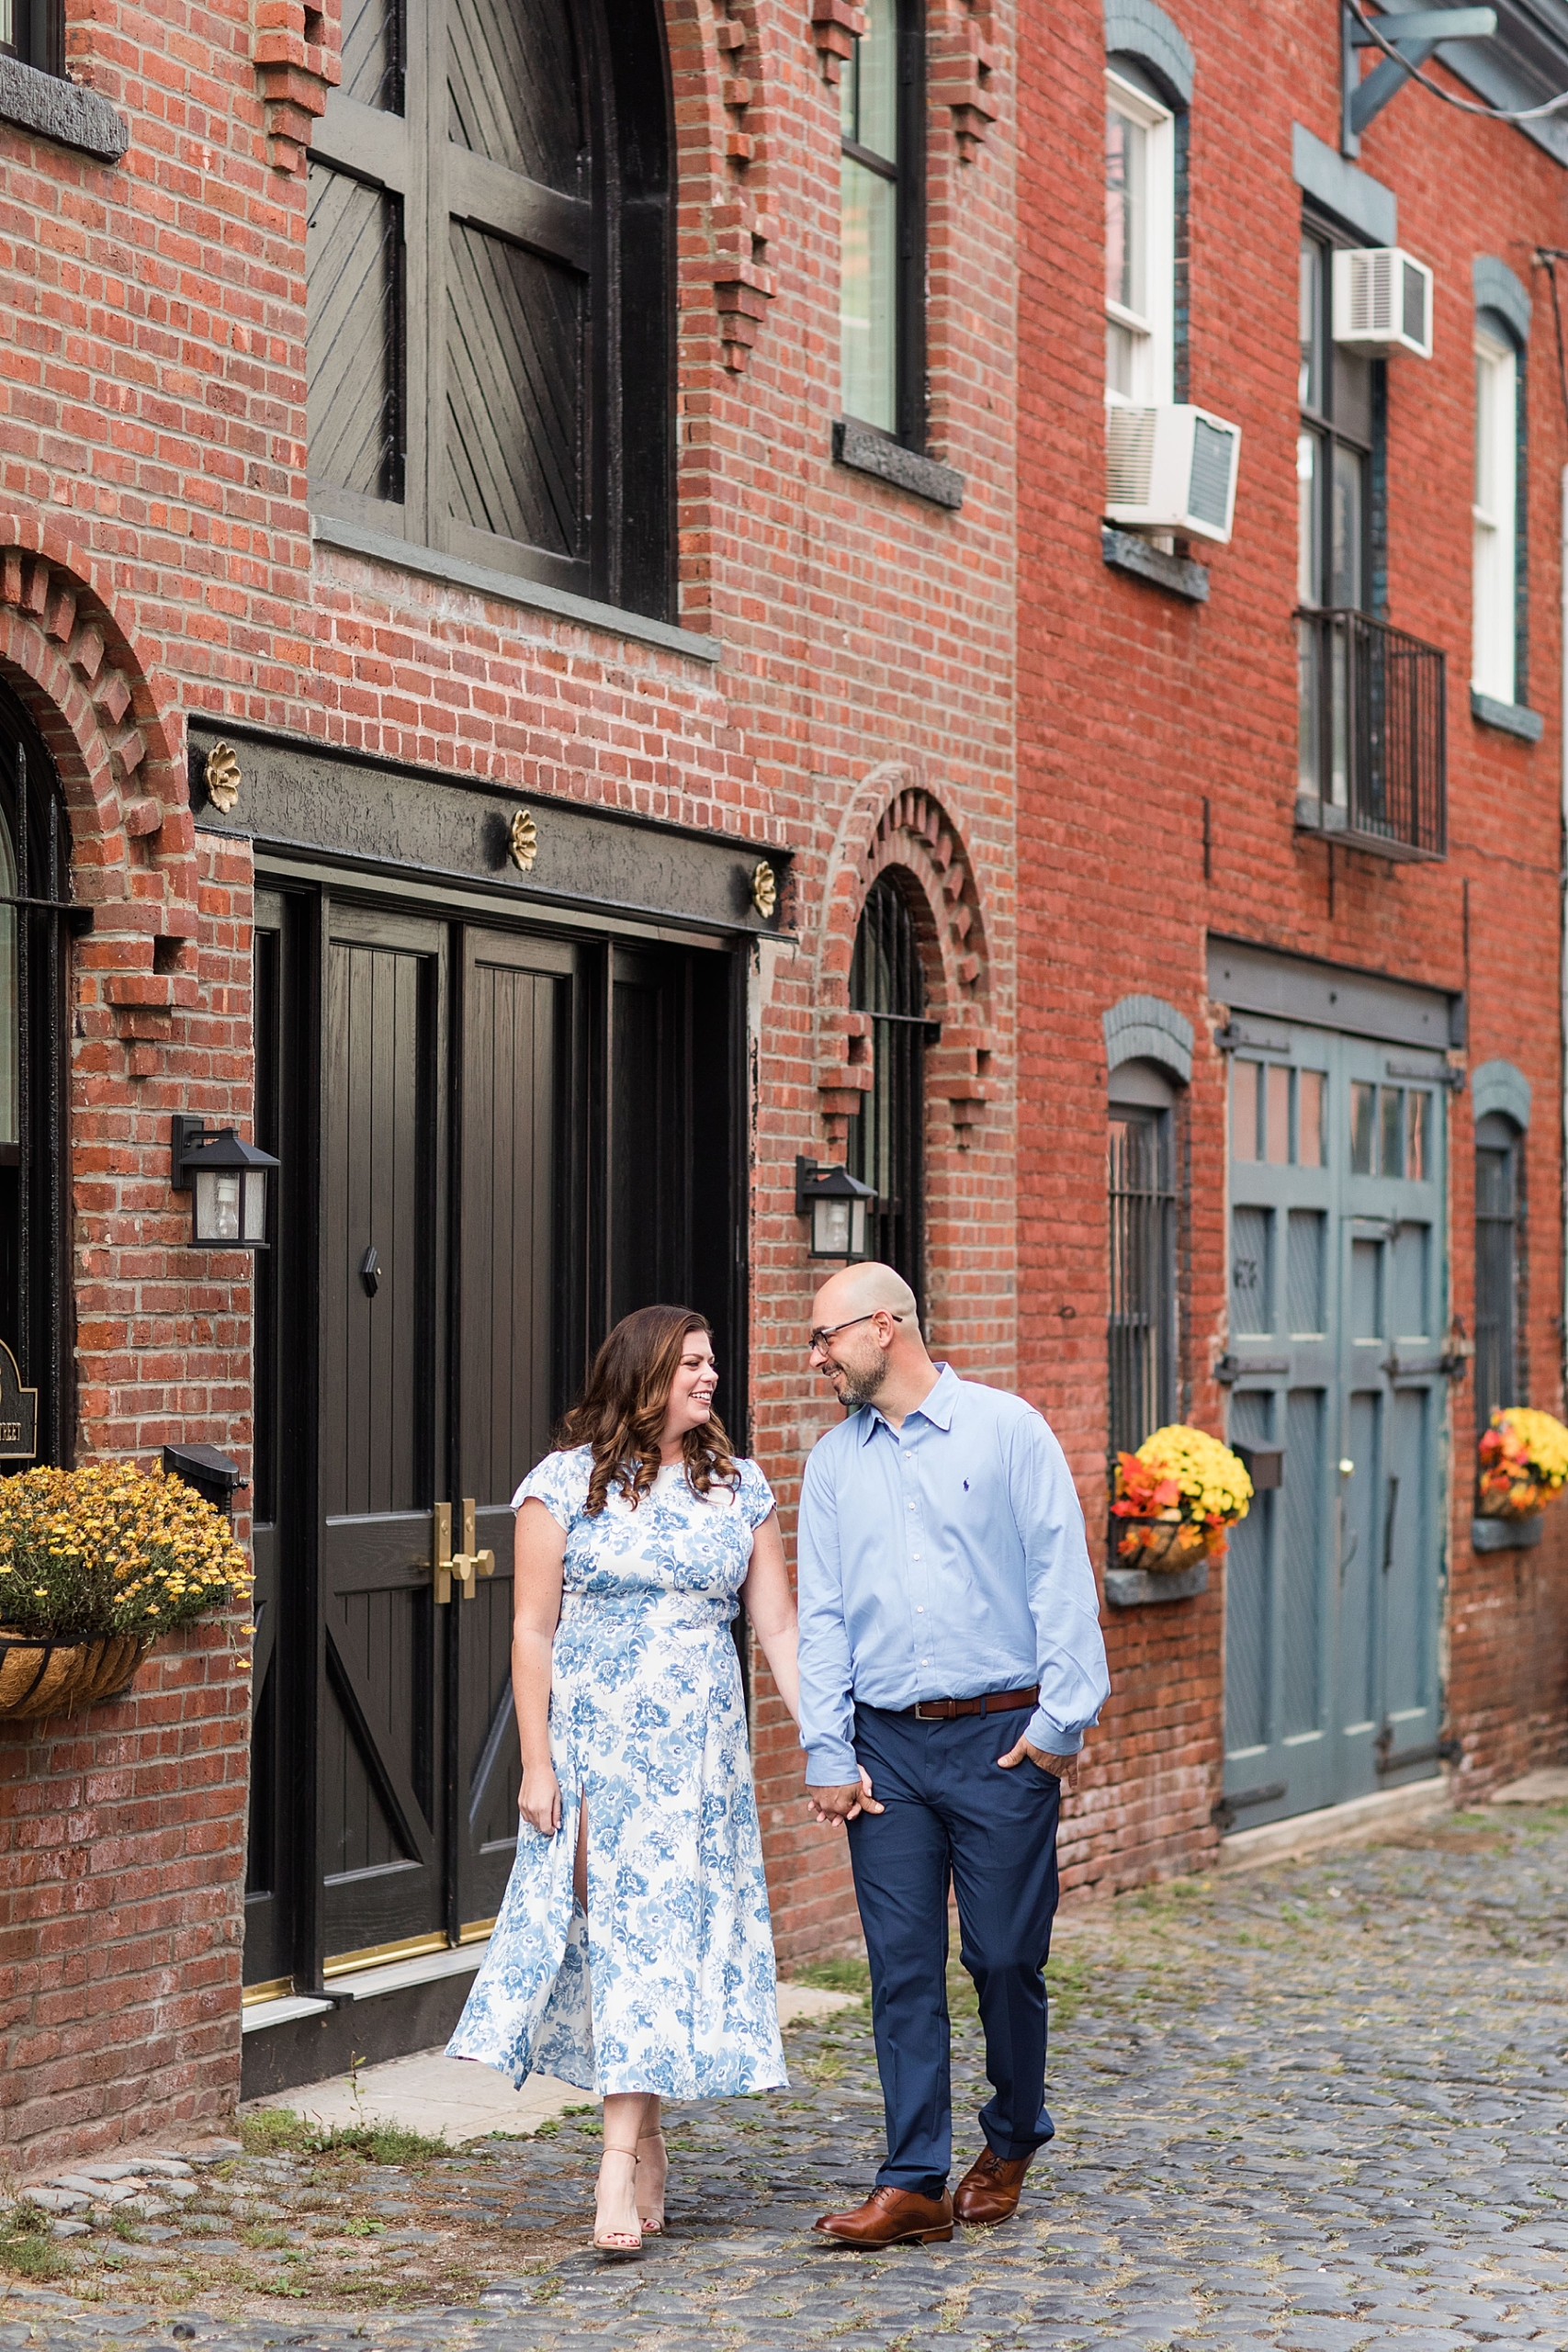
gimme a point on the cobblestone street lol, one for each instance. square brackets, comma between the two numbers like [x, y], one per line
[1316, 2109]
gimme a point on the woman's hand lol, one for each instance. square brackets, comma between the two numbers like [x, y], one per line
[538, 1800]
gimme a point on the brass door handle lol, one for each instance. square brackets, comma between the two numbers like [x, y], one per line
[464, 1563]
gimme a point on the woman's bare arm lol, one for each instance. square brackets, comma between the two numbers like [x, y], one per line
[538, 1553]
[770, 1610]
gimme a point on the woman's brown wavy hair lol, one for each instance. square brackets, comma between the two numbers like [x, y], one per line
[621, 1411]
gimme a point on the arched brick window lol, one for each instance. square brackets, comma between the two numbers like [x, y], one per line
[34, 948]
[886, 1140]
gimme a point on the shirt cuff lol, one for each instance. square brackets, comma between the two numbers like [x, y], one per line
[831, 1765]
[1043, 1733]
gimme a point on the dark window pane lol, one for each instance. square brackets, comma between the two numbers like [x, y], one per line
[1391, 1161]
[1496, 1282]
[1352, 395]
[514, 82]
[1346, 555]
[372, 54]
[887, 1139]
[514, 392]
[1142, 1335]
[352, 284]
[1363, 1101]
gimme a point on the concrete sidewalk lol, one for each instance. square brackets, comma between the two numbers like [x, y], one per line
[454, 2098]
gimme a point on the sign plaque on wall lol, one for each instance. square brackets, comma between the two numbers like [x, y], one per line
[18, 1412]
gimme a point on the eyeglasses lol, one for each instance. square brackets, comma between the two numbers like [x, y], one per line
[816, 1340]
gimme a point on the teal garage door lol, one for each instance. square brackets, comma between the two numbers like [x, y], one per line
[1338, 1308]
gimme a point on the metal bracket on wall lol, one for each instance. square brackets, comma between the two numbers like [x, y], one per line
[1223, 1814]
[1232, 1368]
[1415, 34]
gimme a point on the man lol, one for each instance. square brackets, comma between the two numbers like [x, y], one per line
[950, 1661]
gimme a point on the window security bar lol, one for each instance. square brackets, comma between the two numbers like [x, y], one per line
[1373, 754]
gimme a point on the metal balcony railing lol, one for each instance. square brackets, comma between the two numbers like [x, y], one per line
[1373, 758]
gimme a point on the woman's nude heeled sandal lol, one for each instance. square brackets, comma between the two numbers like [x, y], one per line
[653, 2223]
[618, 2241]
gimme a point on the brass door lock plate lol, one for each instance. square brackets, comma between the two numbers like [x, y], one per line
[466, 1564]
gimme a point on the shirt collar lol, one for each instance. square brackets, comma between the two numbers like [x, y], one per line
[937, 1407]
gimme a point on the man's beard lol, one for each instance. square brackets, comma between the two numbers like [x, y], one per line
[860, 1388]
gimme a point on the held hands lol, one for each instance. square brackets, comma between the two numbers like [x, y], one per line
[538, 1800]
[832, 1806]
[1064, 1769]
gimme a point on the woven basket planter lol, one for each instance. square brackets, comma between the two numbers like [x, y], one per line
[61, 1677]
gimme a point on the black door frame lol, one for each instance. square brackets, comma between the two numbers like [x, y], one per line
[289, 1106]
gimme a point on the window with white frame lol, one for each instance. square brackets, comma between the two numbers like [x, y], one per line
[1140, 245]
[1495, 648]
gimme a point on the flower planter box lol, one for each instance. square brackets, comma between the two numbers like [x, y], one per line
[1166, 1545]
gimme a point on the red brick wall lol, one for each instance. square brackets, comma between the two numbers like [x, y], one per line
[156, 560]
[122, 1909]
[122, 1829]
[151, 417]
[1134, 707]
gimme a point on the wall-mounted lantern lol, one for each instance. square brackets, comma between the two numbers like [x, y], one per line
[837, 1205]
[227, 1181]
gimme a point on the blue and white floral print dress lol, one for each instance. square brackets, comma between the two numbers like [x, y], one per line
[668, 1986]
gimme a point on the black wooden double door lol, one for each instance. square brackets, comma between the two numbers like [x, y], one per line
[491, 1140]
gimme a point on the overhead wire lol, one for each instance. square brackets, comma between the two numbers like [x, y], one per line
[1547, 257]
[1465, 106]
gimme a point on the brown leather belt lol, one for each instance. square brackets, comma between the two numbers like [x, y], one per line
[992, 1703]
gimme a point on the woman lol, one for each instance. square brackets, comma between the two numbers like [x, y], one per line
[633, 1955]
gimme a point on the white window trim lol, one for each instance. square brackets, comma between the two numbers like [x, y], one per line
[1494, 646]
[1156, 327]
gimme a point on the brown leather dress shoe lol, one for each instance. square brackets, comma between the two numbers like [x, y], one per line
[892, 2217]
[989, 2189]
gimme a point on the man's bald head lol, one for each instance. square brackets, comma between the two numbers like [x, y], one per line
[860, 1290]
[877, 1350]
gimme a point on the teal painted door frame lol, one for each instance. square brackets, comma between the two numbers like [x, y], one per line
[1339, 1317]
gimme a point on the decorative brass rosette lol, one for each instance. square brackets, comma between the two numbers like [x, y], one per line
[523, 841]
[222, 776]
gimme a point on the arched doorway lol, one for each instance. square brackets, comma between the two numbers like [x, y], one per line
[35, 1295]
[886, 1140]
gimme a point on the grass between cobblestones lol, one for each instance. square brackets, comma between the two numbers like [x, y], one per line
[1322, 2108]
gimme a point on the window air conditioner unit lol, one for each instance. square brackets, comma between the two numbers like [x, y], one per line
[1171, 469]
[1382, 302]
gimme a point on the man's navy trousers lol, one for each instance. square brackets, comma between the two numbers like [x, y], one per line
[951, 1813]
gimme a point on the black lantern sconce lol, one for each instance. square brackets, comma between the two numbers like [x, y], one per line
[837, 1205]
[227, 1180]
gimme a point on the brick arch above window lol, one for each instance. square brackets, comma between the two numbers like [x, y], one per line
[1146, 1029]
[910, 830]
[68, 653]
[1498, 291]
[1138, 28]
[1500, 1086]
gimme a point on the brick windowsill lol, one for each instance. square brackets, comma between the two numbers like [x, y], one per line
[510, 588]
[1125, 551]
[1509, 717]
[868, 451]
[62, 110]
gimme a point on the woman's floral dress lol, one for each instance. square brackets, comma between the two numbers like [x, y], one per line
[668, 1986]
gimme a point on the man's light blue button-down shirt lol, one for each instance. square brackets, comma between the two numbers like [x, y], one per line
[940, 1560]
